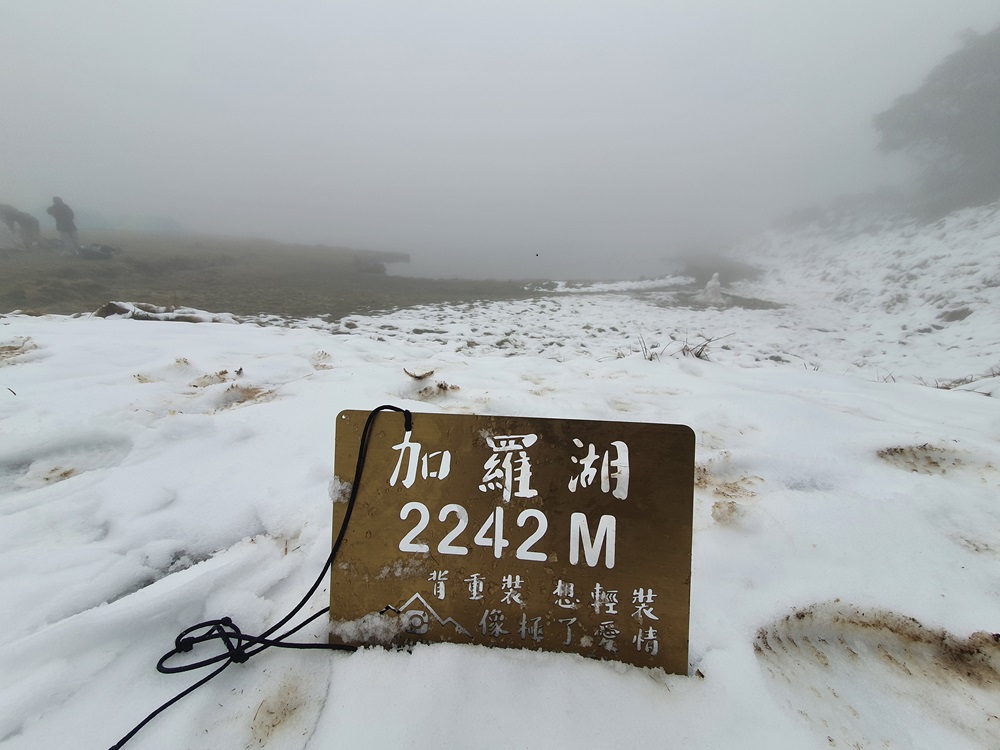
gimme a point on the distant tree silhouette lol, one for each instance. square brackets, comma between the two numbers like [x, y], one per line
[951, 127]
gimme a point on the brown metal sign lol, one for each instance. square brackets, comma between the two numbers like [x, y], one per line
[554, 534]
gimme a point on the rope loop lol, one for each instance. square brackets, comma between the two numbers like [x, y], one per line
[238, 647]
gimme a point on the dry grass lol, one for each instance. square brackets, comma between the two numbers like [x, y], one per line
[224, 274]
[948, 385]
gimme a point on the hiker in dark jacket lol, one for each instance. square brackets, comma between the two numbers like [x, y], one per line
[65, 225]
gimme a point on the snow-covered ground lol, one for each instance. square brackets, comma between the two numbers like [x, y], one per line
[846, 536]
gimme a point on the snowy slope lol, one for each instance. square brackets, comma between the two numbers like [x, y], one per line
[847, 530]
[914, 301]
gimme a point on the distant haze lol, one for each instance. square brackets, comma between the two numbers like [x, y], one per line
[508, 139]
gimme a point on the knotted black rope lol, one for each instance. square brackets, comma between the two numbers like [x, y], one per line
[238, 646]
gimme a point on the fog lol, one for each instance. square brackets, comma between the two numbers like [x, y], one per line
[494, 139]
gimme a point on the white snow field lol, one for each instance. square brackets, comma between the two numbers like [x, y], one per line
[846, 555]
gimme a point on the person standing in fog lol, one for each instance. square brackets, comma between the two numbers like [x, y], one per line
[23, 226]
[65, 224]
[713, 291]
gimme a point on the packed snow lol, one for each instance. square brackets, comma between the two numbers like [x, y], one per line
[156, 471]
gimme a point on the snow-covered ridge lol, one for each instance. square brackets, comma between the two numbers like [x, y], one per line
[923, 300]
[950, 265]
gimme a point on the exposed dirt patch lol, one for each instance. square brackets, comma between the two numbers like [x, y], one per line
[58, 474]
[922, 459]
[732, 492]
[240, 395]
[214, 378]
[285, 707]
[738, 489]
[439, 388]
[18, 347]
[713, 476]
[727, 512]
[934, 459]
[274, 712]
[952, 316]
[321, 361]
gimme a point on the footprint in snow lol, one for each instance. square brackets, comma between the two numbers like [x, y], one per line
[860, 678]
[30, 466]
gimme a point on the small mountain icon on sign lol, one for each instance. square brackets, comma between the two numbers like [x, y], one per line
[417, 616]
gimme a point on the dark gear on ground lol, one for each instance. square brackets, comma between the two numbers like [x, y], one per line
[97, 252]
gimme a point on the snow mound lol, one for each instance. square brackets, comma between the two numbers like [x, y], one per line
[145, 311]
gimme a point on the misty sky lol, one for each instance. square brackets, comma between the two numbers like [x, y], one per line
[481, 132]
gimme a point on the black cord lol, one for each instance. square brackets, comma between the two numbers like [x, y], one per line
[239, 646]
